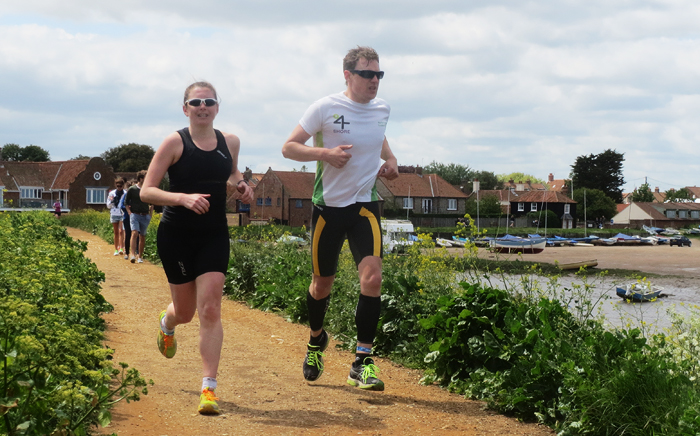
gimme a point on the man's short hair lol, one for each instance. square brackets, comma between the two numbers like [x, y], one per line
[355, 54]
[141, 175]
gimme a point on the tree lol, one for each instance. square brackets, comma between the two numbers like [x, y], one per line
[12, 152]
[30, 153]
[454, 174]
[129, 157]
[518, 177]
[682, 195]
[489, 206]
[487, 180]
[34, 153]
[643, 194]
[600, 171]
[593, 204]
[81, 157]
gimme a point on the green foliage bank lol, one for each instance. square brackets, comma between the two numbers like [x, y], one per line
[525, 355]
[55, 376]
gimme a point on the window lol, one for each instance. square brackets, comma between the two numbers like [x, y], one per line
[268, 201]
[279, 202]
[682, 214]
[30, 192]
[533, 207]
[408, 203]
[2, 201]
[670, 214]
[299, 204]
[567, 208]
[452, 204]
[259, 201]
[95, 195]
[693, 213]
[521, 207]
[427, 205]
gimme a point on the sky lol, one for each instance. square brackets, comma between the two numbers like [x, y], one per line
[500, 85]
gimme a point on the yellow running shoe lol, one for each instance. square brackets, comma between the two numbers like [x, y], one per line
[207, 403]
[167, 344]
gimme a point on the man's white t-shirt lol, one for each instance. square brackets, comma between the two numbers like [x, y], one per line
[336, 120]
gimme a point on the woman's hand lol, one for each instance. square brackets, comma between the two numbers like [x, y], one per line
[197, 203]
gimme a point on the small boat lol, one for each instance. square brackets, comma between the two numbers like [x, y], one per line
[639, 292]
[458, 242]
[623, 239]
[578, 265]
[604, 241]
[443, 242]
[558, 241]
[514, 244]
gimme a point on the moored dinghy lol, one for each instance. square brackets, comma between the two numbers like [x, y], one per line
[514, 244]
[639, 292]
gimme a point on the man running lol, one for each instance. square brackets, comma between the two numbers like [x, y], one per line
[349, 144]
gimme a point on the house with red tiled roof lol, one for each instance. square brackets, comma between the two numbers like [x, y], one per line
[528, 202]
[559, 185]
[77, 184]
[285, 197]
[427, 197]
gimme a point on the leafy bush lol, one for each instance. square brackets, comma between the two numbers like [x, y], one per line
[55, 376]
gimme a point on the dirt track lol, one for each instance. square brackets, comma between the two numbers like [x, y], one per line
[261, 387]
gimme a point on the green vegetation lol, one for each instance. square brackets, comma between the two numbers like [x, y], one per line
[523, 353]
[55, 376]
[536, 351]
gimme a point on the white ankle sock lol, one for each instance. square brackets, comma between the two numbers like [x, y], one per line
[209, 382]
[166, 330]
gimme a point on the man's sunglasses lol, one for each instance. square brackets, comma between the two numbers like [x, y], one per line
[368, 74]
[198, 101]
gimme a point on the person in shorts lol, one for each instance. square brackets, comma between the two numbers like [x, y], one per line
[116, 216]
[193, 240]
[349, 145]
[140, 214]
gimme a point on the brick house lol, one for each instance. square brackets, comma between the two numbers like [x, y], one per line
[674, 215]
[428, 197]
[285, 197]
[77, 184]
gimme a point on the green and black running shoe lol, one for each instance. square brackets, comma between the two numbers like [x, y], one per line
[364, 375]
[313, 363]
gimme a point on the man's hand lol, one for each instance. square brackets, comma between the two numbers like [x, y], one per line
[337, 156]
[389, 169]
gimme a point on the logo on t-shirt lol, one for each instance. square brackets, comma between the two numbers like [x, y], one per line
[340, 119]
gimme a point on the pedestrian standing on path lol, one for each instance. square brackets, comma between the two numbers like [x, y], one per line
[193, 240]
[127, 219]
[349, 144]
[116, 216]
[140, 213]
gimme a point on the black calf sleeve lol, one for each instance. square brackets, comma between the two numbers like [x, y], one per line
[367, 318]
[317, 311]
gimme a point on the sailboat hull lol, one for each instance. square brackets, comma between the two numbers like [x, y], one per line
[524, 246]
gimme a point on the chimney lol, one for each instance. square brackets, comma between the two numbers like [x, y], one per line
[519, 187]
[656, 189]
[475, 185]
[551, 177]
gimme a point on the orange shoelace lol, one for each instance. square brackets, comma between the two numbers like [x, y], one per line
[168, 340]
[209, 395]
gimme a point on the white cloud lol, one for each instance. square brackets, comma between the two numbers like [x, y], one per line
[501, 86]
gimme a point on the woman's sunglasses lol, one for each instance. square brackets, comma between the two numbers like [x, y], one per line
[368, 74]
[198, 101]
